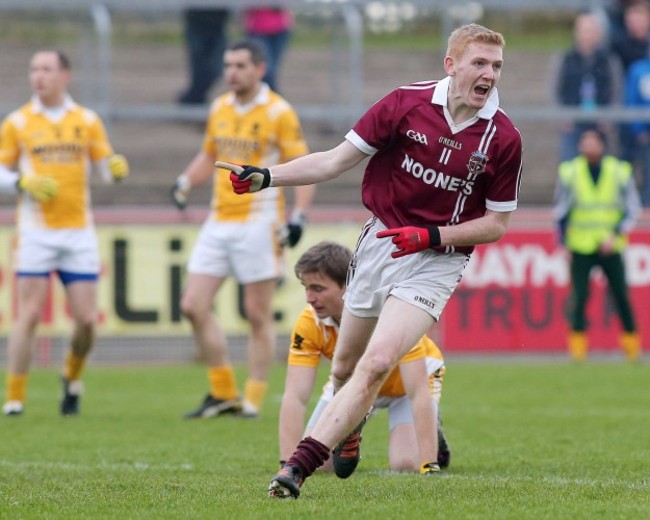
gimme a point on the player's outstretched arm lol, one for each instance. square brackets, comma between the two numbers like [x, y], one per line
[308, 169]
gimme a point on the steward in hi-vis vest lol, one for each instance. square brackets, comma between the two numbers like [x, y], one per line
[596, 206]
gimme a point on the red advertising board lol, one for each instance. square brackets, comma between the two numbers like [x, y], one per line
[514, 297]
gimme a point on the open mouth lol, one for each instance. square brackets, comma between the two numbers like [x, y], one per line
[481, 90]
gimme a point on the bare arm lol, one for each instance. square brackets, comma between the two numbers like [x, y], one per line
[425, 420]
[297, 390]
[304, 195]
[484, 230]
[317, 167]
[199, 170]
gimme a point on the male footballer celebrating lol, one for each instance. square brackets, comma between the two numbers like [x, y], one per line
[443, 176]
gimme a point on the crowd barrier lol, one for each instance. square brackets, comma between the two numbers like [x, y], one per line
[512, 299]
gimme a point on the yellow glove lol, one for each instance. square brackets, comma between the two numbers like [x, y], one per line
[118, 166]
[39, 187]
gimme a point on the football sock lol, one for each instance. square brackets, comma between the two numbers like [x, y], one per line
[16, 387]
[631, 344]
[73, 366]
[222, 382]
[578, 345]
[309, 456]
[254, 392]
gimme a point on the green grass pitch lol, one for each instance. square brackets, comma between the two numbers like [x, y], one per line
[529, 440]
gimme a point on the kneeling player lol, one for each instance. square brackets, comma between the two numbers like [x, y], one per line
[411, 393]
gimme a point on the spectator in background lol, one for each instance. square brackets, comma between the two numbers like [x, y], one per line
[637, 94]
[585, 78]
[596, 205]
[272, 28]
[205, 31]
[615, 12]
[631, 45]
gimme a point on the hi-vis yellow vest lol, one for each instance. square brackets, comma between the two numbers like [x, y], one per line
[599, 207]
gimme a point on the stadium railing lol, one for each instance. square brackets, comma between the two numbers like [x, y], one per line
[345, 88]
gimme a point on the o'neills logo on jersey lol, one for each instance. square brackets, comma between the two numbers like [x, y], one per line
[434, 178]
[450, 142]
[59, 152]
[234, 146]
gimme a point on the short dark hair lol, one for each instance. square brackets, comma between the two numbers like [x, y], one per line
[258, 54]
[328, 258]
[61, 57]
[64, 61]
[595, 129]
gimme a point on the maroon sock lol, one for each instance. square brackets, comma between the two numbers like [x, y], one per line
[309, 455]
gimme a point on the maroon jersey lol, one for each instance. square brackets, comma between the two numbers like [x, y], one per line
[425, 170]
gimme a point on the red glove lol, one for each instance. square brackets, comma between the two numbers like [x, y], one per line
[411, 239]
[251, 179]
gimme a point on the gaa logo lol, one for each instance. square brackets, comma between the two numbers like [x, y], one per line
[417, 137]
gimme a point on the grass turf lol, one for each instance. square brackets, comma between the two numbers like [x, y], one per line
[529, 440]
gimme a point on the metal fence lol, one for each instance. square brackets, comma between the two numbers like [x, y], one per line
[346, 17]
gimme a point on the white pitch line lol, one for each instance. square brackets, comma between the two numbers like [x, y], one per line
[468, 477]
[112, 466]
[552, 481]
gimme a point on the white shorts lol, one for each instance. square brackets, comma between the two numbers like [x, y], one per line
[399, 408]
[249, 251]
[426, 279]
[73, 251]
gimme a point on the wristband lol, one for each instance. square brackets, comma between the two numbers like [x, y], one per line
[183, 183]
[297, 217]
[434, 236]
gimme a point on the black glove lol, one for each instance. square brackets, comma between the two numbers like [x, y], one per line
[250, 180]
[179, 192]
[292, 231]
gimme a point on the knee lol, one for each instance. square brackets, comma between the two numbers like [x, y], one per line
[87, 321]
[190, 309]
[375, 367]
[258, 315]
[30, 319]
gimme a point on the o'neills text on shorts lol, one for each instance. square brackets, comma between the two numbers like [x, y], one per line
[424, 301]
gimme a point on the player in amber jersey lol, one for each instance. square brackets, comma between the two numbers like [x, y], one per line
[51, 142]
[243, 237]
[443, 176]
[412, 389]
